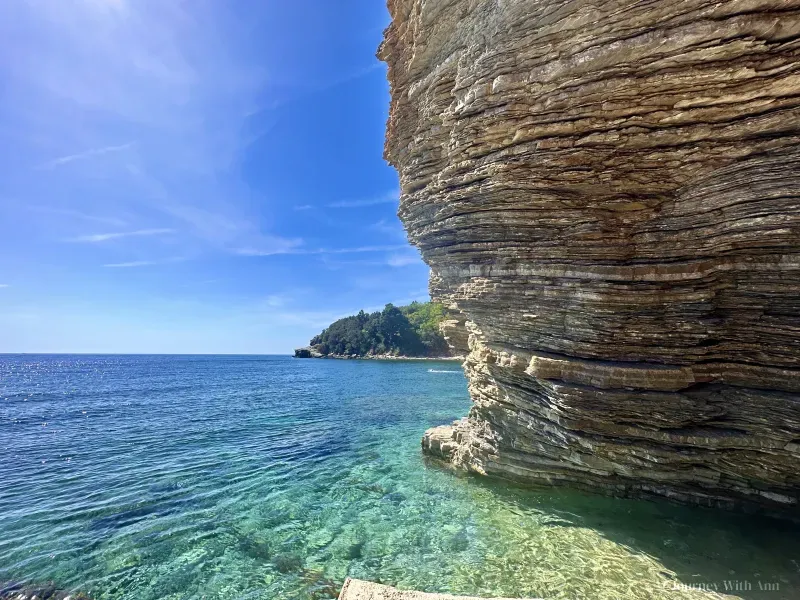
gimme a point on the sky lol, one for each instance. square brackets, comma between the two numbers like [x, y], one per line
[194, 176]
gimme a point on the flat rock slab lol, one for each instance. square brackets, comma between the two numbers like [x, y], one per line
[355, 589]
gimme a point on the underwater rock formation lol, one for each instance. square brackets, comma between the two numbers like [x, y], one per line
[609, 193]
[48, 591]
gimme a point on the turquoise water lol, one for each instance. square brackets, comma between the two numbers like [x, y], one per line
[144, 477]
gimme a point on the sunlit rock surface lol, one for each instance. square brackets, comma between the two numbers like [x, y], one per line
[609, 193]
[355, 589]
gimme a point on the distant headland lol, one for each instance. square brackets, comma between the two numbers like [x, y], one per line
[395, 333]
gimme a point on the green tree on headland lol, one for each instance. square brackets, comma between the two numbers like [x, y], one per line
[425, 318]
[411, 330]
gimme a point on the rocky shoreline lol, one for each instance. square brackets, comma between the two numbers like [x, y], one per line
[311, 352]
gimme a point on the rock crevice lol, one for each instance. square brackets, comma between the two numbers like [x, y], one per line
[608, 196]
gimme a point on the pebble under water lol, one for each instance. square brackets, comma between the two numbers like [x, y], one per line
[249, 477]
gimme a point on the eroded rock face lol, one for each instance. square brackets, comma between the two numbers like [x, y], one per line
[609, 193]
[455, 333]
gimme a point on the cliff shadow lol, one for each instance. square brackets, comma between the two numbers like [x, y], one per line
[746, 556]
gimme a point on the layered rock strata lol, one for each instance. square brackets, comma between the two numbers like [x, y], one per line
[609, 193]
[455, 333]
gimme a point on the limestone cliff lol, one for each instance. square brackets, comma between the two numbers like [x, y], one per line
[609, 193]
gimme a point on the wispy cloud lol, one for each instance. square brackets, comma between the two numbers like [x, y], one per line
[63, 160]
[165, 88]
[393, 260]
[403, 260]
[128, 265]
[361, 249]
[304, 88]
[4, 285]
[144, 263]
[104, 237]
[75, 214]
[269, 246]
[347, 77]
[264, 251]
[356, 250]
[389, 197]
[389, 227]
[276, 300]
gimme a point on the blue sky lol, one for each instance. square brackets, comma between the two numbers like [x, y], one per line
[198, 176]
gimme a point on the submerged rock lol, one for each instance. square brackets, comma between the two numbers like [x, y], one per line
[318, 586]
[608, 196]
[356, 551]
[287, 563]
[47, 591]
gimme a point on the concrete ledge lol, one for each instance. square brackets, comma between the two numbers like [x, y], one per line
[355, 589]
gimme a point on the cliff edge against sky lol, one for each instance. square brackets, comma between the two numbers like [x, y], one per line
[609, 195]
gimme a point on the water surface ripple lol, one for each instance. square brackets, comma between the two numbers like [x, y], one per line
[188, 477]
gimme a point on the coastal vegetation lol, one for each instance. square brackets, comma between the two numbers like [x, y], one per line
[411, 330]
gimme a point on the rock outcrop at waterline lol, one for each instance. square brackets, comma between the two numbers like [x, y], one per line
[609, 193]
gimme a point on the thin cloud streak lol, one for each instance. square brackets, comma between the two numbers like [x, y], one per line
[362, 249]
[307, 251]
[311, 91]
[104, 237]
[128, 265]
[182, 78]
[63, 160]
[391, 197]
[75, 214]
[403, 260]
[394, 261]
[144, 263]
[392, 228]
[276, 300]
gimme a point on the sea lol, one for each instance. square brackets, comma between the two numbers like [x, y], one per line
[268, 477]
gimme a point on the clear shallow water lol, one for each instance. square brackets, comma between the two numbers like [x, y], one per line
[144, 477]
